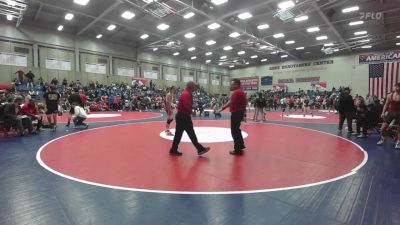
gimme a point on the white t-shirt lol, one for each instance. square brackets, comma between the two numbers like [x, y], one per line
[79, 111]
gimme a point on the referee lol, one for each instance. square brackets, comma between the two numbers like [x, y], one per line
[237, 106]
[184, 121]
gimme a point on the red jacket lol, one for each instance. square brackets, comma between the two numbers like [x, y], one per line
[29, 110]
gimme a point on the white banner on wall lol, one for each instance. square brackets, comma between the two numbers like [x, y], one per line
[58, 64]
[215, 82]
[203, 80]
[13, 59]
[171, 77]
[188, 78]
[123, 71]
[95, 68]
[150, 74]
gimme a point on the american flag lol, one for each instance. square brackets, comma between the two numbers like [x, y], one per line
[383, 77]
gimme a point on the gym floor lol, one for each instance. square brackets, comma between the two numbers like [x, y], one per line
[294, 171]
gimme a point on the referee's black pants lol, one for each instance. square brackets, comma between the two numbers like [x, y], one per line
[184, 123]
[236, 119]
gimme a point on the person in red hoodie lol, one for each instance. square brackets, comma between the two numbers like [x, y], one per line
[30, 110]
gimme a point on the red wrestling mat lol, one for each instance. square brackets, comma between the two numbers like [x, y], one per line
[114, 116]
[135, 157]
[319, 117]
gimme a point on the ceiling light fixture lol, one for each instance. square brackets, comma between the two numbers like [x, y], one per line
[300, 48]
[247, 63]
[155, 49]
[245, 16]
[286, 5]
[241, 53]
[360, 33]
[69, 16]
[264, 60]
[234, 35]
[190, 35]
[188, 15]
[284, 56]
[354, 23]
[99, 36]
[128, 15]
[367, 46]
[191, 49]
[11, 2]
[313, 29]
[301, 18]
[208, 60]
[231, 66]
[210, 42]
[214, 26]
[274, 53]
[209, 53]
[81, 2]
[279, 35]
[60, 27]
[219, 2]
[328, 44]
[144, 36]
[398, 43]
[111, 27]
[351, 9]
[320, 38]
[263, 26]
[364, 40]
[290, 42]
[193, 57]
[9, 17]
[163, 26]
[263, 47]
[254, 56]
[223, 57]
[176, 53]
[228, 48]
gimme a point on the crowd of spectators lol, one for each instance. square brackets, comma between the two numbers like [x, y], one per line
[22, 103]
[98, 97]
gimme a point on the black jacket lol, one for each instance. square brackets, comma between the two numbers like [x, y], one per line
[10, 113]
[346, 104]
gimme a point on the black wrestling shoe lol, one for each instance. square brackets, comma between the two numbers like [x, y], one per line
[205, 150]
[175, 153]
[235, 152]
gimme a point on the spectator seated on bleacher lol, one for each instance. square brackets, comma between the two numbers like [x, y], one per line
[30, 109]
[14, 117]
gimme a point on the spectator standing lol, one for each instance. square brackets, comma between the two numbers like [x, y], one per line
[30, 76]
[21, 74]
[346, 110]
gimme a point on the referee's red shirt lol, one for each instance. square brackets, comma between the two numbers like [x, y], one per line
[238, 101]
[185, 104]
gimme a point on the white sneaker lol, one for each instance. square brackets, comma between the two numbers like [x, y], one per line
[381, 141]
